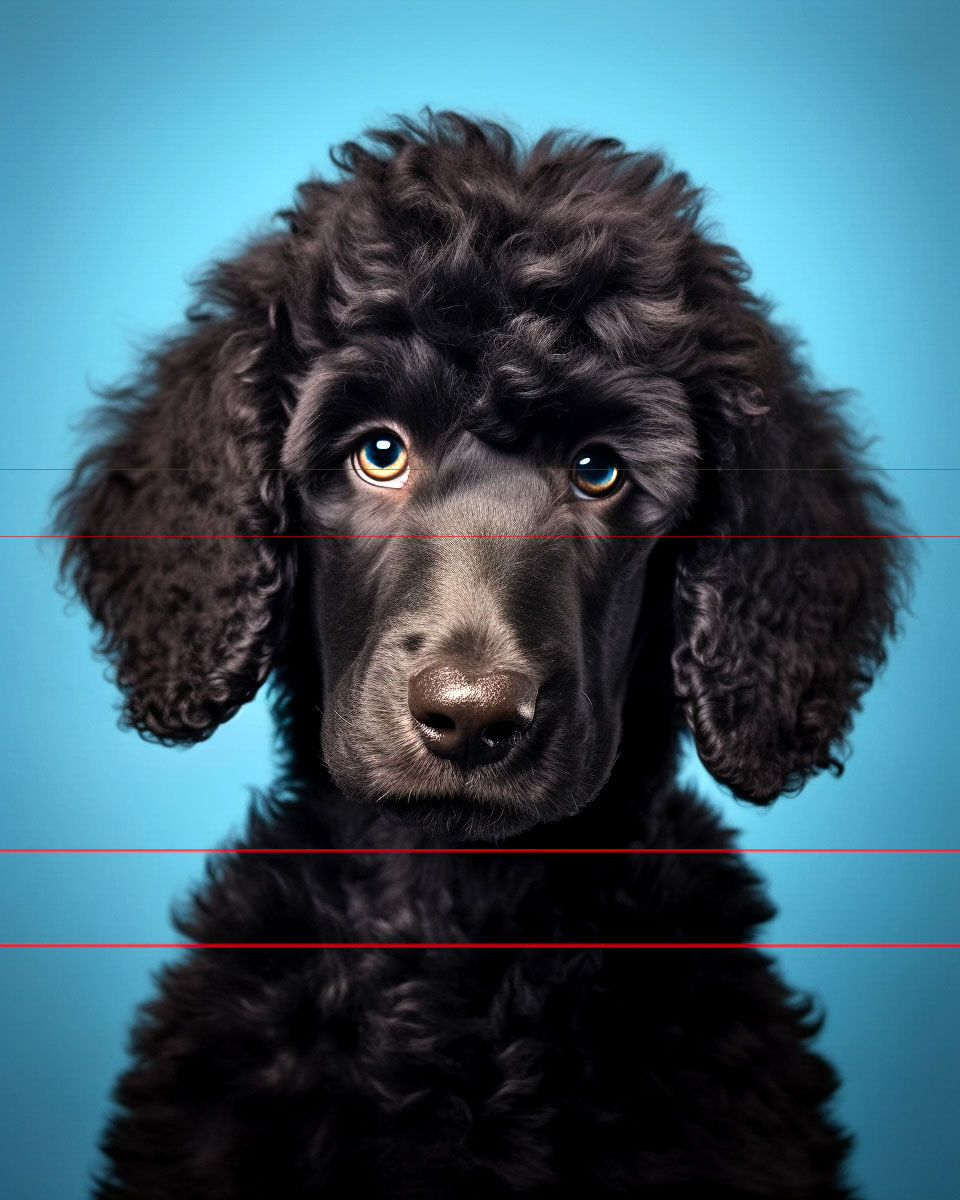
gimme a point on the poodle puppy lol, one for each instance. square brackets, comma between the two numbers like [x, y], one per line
[491, 461]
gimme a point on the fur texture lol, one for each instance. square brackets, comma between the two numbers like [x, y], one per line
[501, 310]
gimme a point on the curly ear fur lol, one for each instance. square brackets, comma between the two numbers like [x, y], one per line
[780, 621]
[169, 519]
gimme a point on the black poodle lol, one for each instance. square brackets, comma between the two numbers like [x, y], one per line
[492, 460]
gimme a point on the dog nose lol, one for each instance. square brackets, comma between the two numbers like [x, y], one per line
[471, 718]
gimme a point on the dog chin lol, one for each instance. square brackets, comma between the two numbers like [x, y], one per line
[464, 818]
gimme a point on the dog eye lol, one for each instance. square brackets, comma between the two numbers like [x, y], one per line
[382, 460]
[594, 474]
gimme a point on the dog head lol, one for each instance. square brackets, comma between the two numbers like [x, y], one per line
[469, 394]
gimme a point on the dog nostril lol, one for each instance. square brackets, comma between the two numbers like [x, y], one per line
[499, 731]
[437, 721]
[469, 717]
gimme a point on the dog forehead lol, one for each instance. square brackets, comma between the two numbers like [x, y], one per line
[414, 384]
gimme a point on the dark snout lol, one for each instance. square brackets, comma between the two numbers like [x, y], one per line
[469, 693]
[469, 717]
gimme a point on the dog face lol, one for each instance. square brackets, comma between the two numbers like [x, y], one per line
[475, 605]
[463, 394]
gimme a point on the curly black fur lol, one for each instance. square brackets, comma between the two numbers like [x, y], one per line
[502, 307]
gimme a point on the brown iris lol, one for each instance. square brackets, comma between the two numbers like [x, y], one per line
[382, 460]
[594, 473]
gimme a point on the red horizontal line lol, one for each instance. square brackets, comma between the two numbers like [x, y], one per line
[296, 470]
[480, 850]
[479, 945]
[547, 536]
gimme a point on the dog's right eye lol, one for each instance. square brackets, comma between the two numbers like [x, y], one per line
[382, 460]
[595, 474]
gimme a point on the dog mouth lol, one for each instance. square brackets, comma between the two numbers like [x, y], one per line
[480, 805]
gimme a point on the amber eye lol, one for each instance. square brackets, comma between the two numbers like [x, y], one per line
[594, 474]
[382, 460]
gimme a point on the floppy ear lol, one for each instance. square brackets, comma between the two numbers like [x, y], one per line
[170, 519]
[782, 609]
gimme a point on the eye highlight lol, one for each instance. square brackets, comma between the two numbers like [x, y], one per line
[594, 474]
[382, 460]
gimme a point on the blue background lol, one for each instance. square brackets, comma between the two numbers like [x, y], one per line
[141, 139]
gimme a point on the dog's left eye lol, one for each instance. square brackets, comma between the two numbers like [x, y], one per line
[382, 460]
[595, 473]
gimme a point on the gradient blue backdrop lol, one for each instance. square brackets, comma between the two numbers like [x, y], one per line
[142, 138]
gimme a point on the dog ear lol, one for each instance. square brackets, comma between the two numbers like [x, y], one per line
[171, 521]
[783, 607]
